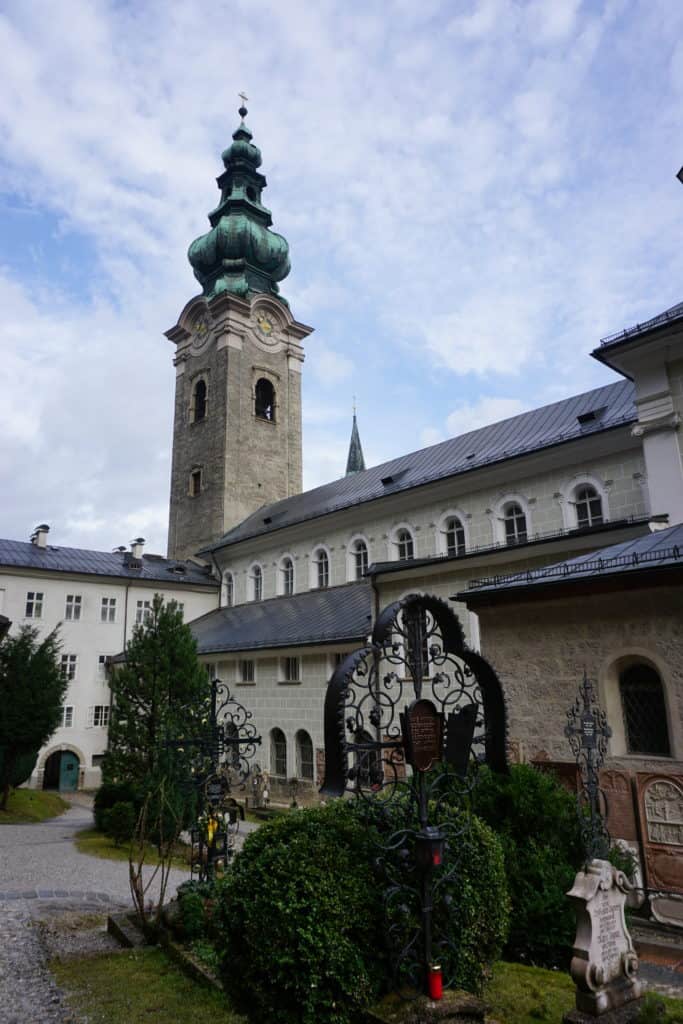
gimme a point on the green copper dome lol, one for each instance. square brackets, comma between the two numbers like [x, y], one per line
[240, 254]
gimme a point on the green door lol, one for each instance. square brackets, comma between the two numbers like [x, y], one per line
[68, 772]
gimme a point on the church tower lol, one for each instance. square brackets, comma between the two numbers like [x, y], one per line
[237, 424]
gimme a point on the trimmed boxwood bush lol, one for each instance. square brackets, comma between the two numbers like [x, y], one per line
[111, 793]
[535, 819]
[120, 821]
[301, 925]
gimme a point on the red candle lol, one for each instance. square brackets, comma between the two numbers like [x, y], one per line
[435, 982]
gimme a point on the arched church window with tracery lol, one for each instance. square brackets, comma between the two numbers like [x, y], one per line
[321, 565]
[644, 710]
[264, 400]
[359, 554]
[405, 548]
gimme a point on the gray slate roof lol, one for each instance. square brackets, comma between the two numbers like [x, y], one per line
[612, 405]
[660, 550]
[337, 615]
[25, 555]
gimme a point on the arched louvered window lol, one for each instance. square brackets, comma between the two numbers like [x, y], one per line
[588, 506]
[514, 521]
[264, 400]
[455, 536]
[304, 755]
[278, 753]
[644, 709]
[199, 400]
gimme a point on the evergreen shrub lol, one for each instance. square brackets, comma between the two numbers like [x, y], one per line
[301, 930]
[120, 821]
[535, 820]
[111, 793]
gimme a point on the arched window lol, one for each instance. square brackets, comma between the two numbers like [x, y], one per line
[514, 521]
[644, 710]
[368, 762]
[304, 755]
[359, 556]
[287, 576]
[228, 590]
[256, 583]
[199, 401]
[321, 566]
[588, 506]
[454, 533]
[278, 753]
[404, 544]
[264, 400]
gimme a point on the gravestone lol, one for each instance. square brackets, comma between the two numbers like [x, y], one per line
[604, 964]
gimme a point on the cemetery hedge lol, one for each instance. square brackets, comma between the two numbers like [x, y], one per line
[535, 820]
[299, 919]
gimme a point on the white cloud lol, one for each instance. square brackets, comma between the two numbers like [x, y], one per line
[330, 367]
[488, 409]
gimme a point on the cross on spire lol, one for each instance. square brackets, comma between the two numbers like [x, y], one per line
[243, 109]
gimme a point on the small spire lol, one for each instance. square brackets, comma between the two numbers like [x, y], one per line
[355, 462]
[243, 109]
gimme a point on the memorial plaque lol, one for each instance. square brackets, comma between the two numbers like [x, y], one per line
[660, 808]
[422, 735]
[604, 964]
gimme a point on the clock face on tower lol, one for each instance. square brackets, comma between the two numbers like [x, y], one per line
[200, 332]
[264, 325]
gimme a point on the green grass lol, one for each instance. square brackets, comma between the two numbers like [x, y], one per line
[527, 995]
[29, 805]
[97, 844]
[138, 986]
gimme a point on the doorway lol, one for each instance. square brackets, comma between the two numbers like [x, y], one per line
[61, 771]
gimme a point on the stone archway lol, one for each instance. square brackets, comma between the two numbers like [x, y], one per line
[61, 770]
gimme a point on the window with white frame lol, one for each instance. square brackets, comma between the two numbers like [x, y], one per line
[34, 604]
[68, 664]
[143, 612]
[287, 576]
[228, 590]
[72, 611]
[360, 558]
[588, 506]
[304, 756]
[514, 523]
[102, 665]
[247, 670]
[256, 583]
[454, 536]
[403, 544]
[321, 568]
[98, 716]
[290, 670]
[108, 609]
[67, 716]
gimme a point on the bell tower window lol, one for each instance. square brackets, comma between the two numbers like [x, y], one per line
[264, 400]
[195, 483]
[199, 401]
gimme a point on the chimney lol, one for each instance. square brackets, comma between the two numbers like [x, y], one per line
[39, 535]
[136, 547]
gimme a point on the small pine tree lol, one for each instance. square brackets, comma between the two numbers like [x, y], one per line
[32, 689]
[160, 694]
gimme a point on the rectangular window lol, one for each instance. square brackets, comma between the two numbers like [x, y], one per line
[69, 662]
[196, 483]
[247, 673]
[108, 611]
[96, 760]
[34, 604]
[291, 670]
[102, 665]
[98, 716]
[72, 612]
[67, 716]
[143, 612]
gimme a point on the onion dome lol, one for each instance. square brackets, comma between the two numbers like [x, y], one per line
[240, 254]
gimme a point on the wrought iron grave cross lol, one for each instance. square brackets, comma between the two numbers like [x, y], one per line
[588, 732]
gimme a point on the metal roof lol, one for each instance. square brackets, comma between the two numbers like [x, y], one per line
[572, 418]
[336, 615]
[16, 554]
[662, 549]
[668, 316]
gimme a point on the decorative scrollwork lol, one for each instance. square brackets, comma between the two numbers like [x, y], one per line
[588, 732]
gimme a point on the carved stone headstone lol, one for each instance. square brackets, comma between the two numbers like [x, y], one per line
[604, 965]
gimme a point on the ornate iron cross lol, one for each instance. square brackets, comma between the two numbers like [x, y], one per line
[588, 732]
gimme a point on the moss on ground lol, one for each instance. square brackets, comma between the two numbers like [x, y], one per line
[30, 805]
[138, 986]
[97, 844]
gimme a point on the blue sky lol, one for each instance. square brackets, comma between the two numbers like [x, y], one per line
[474, 192]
